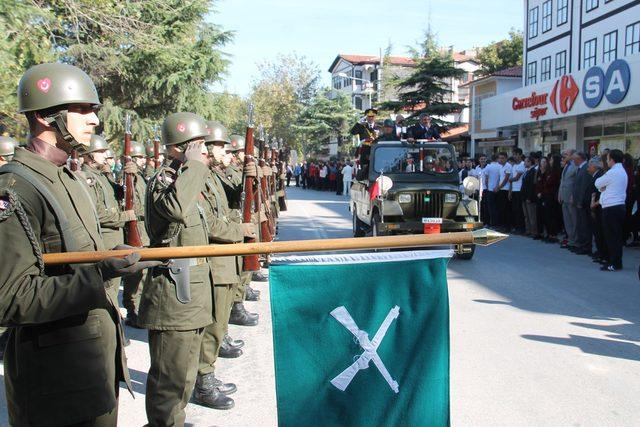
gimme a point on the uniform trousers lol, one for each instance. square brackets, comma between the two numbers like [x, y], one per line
[569, 214]
[172, 375]
[215, 332]
[110, 419]
[613, 226]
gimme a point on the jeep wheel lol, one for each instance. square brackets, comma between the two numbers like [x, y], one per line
[467, 255]
[358, 226]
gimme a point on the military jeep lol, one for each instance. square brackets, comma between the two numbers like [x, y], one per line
[412, 189]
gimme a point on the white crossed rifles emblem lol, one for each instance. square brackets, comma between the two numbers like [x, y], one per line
[370, 348]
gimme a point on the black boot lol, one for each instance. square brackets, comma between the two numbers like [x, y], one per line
[233, 343]
[132, 320]
[210, 391]
[240, 316]
[251, 294]
[259, 277]
[228, 352]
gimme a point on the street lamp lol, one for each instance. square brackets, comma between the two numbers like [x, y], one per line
[367, 83]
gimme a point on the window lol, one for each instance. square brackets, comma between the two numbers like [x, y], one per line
[589, 53]
[563, 12]
[477, 109]
[547, 16]
[632, 43]
[561, 63]
[610, 47]
[590, 5]
[533, 22]
[358, 103]
[545, 69]
[358, 76]
[532, 71]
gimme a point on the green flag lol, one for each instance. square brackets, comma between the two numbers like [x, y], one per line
[361, 339]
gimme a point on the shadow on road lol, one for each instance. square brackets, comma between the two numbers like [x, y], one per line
[599, 346]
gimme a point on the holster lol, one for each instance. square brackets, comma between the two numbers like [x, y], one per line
[179, 273]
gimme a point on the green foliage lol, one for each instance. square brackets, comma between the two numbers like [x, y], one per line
[426, 90]
[148, 58]
[323, 119]
[503, 54]
[285, 86]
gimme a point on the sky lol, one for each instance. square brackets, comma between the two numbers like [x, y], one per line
[322, 29]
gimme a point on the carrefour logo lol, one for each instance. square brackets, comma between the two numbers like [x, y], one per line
[613, 85]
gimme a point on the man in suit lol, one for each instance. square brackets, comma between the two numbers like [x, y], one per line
[582, 199]
[423, 130]
[595, 168]
[565, 197]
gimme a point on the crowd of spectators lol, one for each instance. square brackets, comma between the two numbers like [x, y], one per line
[323, 176]
[586, 204]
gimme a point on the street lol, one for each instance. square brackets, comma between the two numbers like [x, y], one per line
[539, 336]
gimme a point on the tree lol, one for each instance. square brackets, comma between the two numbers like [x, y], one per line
[148, 58]
[426, 89]
[503, 54]
[285, 86]
[323, 119]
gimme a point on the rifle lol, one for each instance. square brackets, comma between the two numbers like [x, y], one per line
[132, 236]
[249, 205]
[156, 149]
[282, 200]
[267, 228]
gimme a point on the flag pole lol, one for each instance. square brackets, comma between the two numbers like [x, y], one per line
[482, 237]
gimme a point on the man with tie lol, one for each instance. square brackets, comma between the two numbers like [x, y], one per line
[423, 130]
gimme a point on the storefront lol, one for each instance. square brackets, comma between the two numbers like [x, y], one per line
[589, 110]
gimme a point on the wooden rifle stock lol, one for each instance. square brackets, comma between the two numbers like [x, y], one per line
[131, 228]
[156, 152]
[250, 205]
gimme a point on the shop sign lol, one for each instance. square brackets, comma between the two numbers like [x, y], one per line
[614, 85]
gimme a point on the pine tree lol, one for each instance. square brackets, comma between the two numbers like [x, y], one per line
[427, 90]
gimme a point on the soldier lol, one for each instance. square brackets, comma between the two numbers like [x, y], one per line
[368, 131]
[109, 165]
[64, 358]
[149, 167]
[7, 148]
[111, 218]
[176, 303]
[223, 229]
[133, 283]
[388, 131]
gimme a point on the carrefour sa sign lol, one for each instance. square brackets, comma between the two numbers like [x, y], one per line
[612, 84]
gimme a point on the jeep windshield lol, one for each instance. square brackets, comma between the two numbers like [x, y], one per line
[437, 160]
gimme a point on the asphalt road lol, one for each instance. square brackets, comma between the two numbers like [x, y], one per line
[539, 336]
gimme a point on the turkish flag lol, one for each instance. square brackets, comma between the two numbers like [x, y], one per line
[374, 191]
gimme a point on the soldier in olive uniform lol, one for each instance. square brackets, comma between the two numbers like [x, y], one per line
[132, 284]
[112, 219]
[7, 148]
[388, 131]
[64, 358]
[177, 299]
[223, 229]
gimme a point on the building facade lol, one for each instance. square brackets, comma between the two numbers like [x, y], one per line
[581, 63]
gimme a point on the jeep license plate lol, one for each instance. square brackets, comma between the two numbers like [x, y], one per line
[431, 225]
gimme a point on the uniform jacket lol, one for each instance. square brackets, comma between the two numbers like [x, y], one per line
[64, 357]
[176, 218]
[139, 201]
[223, 228]
[365, 131]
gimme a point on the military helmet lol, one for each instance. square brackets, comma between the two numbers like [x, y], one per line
[53, 84]
[217, 132]
[98, 143]
[228, 148]
[237, 142]
[388, 123]
[179, 128]
[148, 149]
[137, 149]
[109, 154]
[13, 141]
[7, 146]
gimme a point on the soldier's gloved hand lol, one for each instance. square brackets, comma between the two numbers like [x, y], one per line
[283, 176]
[105, 168]
[130, 215]
[118, 267]
[194, 152]
[131, 167]
[249, 229]
[250, 170]
[260, 172]
[267, 171]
